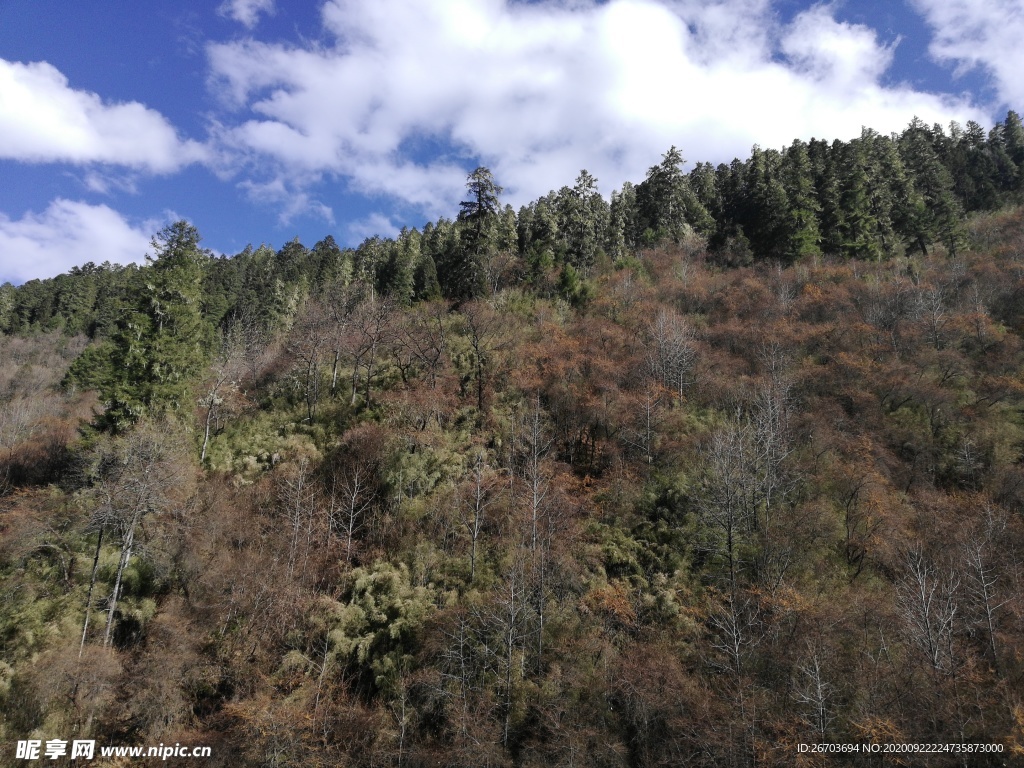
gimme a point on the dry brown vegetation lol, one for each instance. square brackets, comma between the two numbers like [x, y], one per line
[710, 515]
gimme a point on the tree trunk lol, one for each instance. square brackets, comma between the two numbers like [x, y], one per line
[92, 584]
[206, 433]
[126, 554]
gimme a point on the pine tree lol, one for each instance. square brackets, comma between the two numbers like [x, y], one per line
[8, 296]
[583, 216]
[826, 161]
[703, 180]
[507, 236]
[333, 266]
[976, 170]
[293, 262]
[890, 189]
[544, 240]
[859, 227]
[395, 274]
[667, 205]
[161, 345]
[463, 274]
[766, 212]
[803, 237]
[1013, 136]
[369, 258]
[425, 282]
[935, 215]
[1007, 139]
[627, 214]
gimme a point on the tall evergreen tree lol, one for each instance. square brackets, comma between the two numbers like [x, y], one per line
[667, 205]
[507, 231]
[766, 213]
[333, 266]
[935, 215]
[803, 236]
[395, 274]
[826, 159]
[583, 215]
[703, 181]
[859, 228]
[162, 345]
[541, 235]
[1007, 139]
[8, 297]
[462, 274]
[425, 283]
[976, 170]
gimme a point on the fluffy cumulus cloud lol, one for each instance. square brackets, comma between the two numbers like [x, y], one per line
[401, 95]
[66, 234]
[246, 12]
[981, 33]
[44, 119]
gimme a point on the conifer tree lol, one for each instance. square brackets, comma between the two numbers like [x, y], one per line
[425, 283]
[826, 159]
[668, 206]
[1013, 137]
[395, 275]
[626, 216]
[859, 227]
[463, 274]
[542, 235]
[333, 266]
[584, 217]
[976, 170]
[935, 215]
[1007, 139]
[767, 209]
[704, 182]
[161, 345]
[803, 236]
[890, 188]
[507, 236]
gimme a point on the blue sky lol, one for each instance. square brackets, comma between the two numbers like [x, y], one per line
[262, 120]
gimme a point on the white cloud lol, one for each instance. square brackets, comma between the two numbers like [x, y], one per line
[374, 224]
[43, 119]
[538, 91]
[839, 54]
[985, 33]
[108, 183]
[66, 234]
[246, 12]
[292, 202]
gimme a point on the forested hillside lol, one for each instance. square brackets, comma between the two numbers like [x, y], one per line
[729, 463]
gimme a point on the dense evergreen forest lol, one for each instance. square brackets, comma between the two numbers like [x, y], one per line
[728, 463]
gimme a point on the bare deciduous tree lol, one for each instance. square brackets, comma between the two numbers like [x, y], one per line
[423, 338]
[297, 498]
[136, 475]
[814, 693]
[478, 496]
[308, 344]
[671, 352]
[484, 328]
[222, 385]
[981, 576]
[369, 329]
[728, 498]
[928, 601]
